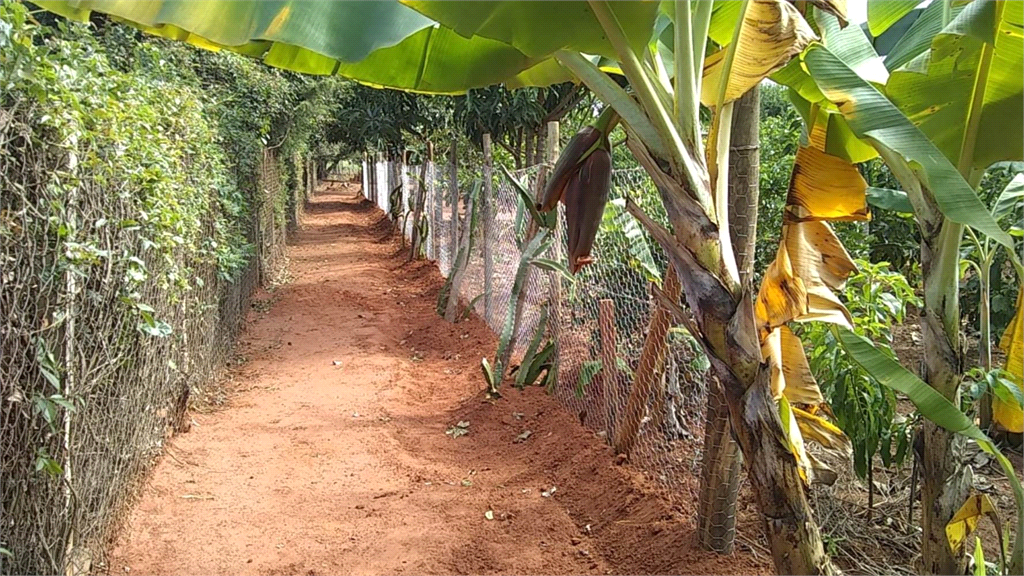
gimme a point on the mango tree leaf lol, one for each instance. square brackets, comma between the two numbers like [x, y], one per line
[889, 199]
[1006, 391]
[937, 89]
[871, 115]
[885, 13]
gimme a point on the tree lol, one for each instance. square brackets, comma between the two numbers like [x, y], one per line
[515, 119]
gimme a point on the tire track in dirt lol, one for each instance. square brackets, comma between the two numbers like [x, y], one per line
[318, 468]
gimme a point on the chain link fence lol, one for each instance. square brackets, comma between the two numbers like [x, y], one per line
[600, 319]
[98, 361]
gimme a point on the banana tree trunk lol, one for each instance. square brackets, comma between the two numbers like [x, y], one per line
[945, 486]
[716, 509]
[725, 326]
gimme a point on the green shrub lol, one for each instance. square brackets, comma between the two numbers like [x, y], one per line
[865, 410]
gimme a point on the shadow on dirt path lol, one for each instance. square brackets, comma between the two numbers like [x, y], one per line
[331, 456]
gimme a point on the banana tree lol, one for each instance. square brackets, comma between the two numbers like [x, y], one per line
[980, 256]
[950, 110]
[662, 122]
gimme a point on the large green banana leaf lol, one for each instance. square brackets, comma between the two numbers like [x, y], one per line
[852, 47]
[872, 116]
[356, 28]
[382, 43]
[938, 409]
[539, 29]
[884, 13]
[919, 36]
[936, 89]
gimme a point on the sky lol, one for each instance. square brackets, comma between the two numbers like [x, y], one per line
[857, 11]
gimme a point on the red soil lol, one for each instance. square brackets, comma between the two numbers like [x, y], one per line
[318, 468]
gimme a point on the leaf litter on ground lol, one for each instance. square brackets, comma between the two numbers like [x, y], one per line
[460, 429]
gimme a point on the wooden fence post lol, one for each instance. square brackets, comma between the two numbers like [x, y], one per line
[609, 356]
[371, 179]
[649, 368]
[487, 214]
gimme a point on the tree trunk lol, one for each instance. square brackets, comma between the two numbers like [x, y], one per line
[460, 261]
[716, 510]
[944, 485]
[528, 139]
[519, 148]
[744, 180]
[541, 146]
[437, 217]
[724, 324]
[788, 521]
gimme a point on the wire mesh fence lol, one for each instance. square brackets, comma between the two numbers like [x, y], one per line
[650, 405]
[98, 361]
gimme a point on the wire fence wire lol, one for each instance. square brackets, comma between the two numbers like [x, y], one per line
[600, 320]
[88, 398]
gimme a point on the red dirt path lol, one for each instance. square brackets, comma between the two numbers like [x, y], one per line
[314, 468]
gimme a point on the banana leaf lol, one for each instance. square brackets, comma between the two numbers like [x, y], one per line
[974, 61]
[872, 116]
[884, 13]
